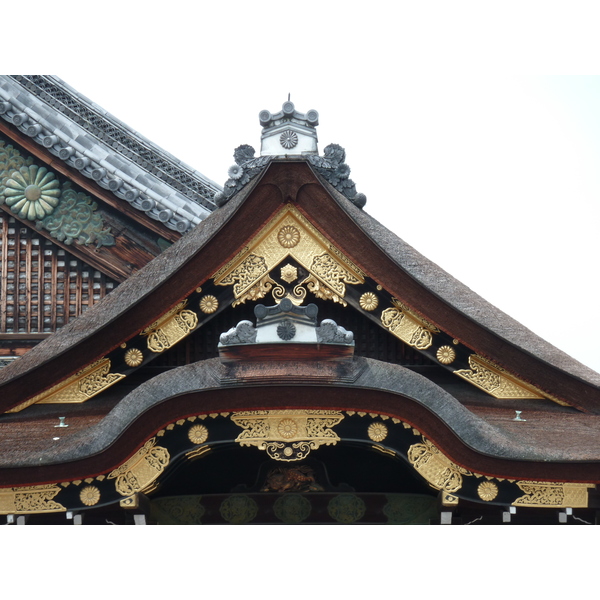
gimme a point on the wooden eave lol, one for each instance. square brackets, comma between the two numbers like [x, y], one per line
[118, 261]
[193, 261]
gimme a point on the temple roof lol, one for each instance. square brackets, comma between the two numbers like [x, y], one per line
[302, 209]
[105, 150]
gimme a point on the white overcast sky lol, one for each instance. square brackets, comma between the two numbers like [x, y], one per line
[473, 131]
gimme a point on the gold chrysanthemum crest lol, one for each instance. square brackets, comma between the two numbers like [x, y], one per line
[288, 236]
[198, 434]
[445, 355]
[134, 357]
[487, 491]
[377, 431]
[89, 495]
[287, 428]
[369, 301]
[209, 304]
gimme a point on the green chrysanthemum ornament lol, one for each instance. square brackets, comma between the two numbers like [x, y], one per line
[32, 192]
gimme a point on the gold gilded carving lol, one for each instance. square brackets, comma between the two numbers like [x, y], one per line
[198, 434]
[136, 474]
[289, 234]
[332, 273]
[377, 431]
[487, 491]
[89, 495]
[29, 499]
[407, 326]
[445, 354]
[562, 495]
[287, 434]
[289, 273]
[82, 386]
[320, 290]
[246, 274]
[209, 304]
[496, 381]
[256, 292]
[368, 301]
[296, 297]
[134, 357]
[170, 328]
[435, 467]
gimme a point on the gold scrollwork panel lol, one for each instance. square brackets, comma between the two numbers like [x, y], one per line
[29, 499]
[82, 386]
[136, 474]
[435, 467]
[289, 234]
[496, 381]
[170, 328]
[560, 495]
[407, 326]
[287, 435]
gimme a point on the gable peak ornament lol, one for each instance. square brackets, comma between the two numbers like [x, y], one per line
[288, 132]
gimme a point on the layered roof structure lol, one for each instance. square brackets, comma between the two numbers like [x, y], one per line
[290, 326]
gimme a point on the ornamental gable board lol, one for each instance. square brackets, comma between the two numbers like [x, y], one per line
[288, 360]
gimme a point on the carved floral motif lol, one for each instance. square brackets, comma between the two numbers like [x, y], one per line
[377, 431]
[141, 469]
[287, 435]
[89, 495]
[435, 467]
[368, 301]
[32, 192]
[495, 380]
[134, 357]
[170, 328]
[209, 304]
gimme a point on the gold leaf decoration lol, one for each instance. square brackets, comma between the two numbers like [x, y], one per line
[89, 495]
[496, 381]
[198, 434]
[141, 469]
[368, 301]
[209, 304]
[445, 354]
[540, 493]
[134, 357]
[289, 273]
[30, 499]
[377, 431]
[487, 491]
[435, 467]
[287, 434]
[170, 328]
[402, 322]
[288, 236]
[82, 386]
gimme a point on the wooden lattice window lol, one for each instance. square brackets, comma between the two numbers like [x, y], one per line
[43, 285]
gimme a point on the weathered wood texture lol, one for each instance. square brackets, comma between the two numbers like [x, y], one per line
[43, 286]
[135, 243]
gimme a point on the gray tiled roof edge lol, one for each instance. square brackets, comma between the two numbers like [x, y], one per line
[106, 150]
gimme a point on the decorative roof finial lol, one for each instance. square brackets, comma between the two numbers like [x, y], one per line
[288, 132]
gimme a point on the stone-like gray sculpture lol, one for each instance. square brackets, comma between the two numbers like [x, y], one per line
[242, 333]
[331, 333]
